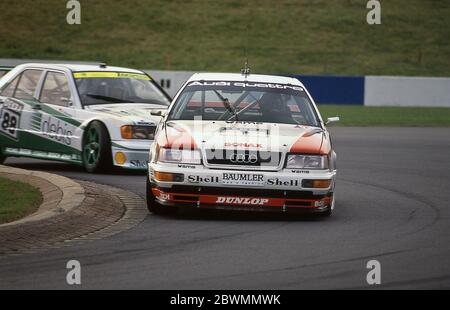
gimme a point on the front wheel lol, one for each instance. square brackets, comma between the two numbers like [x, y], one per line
[152, 205]
[329, 211]
[96, 148]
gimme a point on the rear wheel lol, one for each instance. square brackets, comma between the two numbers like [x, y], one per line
[152, 205]
[96, 148]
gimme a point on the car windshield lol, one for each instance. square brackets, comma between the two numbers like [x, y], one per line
[245, 101]
[117, 87]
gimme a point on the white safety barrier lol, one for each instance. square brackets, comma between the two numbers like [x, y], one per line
[407, 91]
[170, 81]
[378, 90]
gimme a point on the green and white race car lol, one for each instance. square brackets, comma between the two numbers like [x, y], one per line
[91, 115]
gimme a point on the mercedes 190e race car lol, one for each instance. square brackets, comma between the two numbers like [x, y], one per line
[91, 115]
[242, 142]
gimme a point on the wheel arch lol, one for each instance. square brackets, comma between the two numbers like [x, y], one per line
[88, 123]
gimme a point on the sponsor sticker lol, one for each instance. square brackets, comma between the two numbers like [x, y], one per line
[300, 171]
[117, 75]
[283, 183]
[199, 179]
[247, 84]
[242, 179]
[242, 201]
[139, 163]
[57, 130]
[183, 166]
[243, 145]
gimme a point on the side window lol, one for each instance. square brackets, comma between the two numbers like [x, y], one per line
[27, 84]
[56, 89]
[8, 91]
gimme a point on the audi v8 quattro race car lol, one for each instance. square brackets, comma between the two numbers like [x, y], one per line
[242, 142]
[91, 115]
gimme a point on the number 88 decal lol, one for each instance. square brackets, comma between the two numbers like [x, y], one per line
[9, 122]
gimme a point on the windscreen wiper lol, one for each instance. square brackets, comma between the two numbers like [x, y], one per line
[107, 98]
[226, 104]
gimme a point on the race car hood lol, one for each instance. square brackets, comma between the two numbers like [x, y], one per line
[133, 113]
[286, 138]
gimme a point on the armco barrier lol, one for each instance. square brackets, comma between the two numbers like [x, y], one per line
[359, 90]
[334, 89]
[171, 81]
[407, 91]
[324, 89]
[369, 91]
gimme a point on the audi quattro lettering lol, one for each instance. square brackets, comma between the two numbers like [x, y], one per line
[242, 142]
[95, 116]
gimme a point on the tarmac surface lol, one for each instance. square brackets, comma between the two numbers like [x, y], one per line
[393, 194]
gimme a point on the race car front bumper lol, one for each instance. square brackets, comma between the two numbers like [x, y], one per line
[131, 154]
[200, 187]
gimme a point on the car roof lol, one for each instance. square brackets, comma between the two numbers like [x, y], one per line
[80, 67]
[236, 77]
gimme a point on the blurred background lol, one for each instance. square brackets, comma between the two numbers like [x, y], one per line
[304, 38]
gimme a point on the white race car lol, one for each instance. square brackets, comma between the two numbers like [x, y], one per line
[92, 115]
[242, 142]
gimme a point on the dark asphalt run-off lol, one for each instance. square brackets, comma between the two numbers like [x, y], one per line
[392, 195]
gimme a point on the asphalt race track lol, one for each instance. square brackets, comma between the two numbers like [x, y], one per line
[392, 205]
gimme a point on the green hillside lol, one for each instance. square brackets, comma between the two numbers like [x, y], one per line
[304, 36]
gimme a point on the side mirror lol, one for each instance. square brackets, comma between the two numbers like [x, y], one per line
[157, 113]
[332, 120]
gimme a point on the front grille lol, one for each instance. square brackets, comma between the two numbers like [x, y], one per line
[243, 158]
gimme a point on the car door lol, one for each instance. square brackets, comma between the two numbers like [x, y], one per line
[58, 116]
[16, 112]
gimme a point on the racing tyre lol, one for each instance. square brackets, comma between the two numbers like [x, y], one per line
[96, 154]
[329, 211]
[152, 205]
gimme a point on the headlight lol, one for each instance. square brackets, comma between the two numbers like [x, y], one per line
[179, 156]
[307, 162]
[138, 132]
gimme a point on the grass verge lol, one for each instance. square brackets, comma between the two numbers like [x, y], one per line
[283, 36]
[387, 116]
[17, 200]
